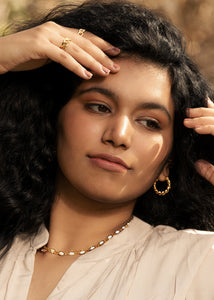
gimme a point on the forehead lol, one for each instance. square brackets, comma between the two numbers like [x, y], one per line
[136, 81]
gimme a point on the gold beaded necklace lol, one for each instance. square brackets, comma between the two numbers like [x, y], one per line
[45, 249]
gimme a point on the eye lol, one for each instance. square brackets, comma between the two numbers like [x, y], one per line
[98, 108]
[150, 123]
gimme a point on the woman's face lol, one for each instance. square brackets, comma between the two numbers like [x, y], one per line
[115, 134]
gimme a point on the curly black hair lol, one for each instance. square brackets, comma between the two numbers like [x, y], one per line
[30, 102]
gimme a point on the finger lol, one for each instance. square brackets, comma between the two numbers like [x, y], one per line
[91, 43]
[200, 111]
[99, 55]
[206, 170]
[102, 44]
[95, 49]
[210, 103]
[47, 49]
[197, 122]
[208, 129]
[62, 57]
[81, 56]
[86, 59]
[99, 42]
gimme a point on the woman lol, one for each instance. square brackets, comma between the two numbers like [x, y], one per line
[86, 142]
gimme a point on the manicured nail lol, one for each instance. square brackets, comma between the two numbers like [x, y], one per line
[116, 66]
[186, 120]
[188, 112]
[88, 74]
[113, 51]
[105, 70]
[200, 164]
[210, 102]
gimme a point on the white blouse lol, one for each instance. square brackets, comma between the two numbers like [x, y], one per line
[140, 263]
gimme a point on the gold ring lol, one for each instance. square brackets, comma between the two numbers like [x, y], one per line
[65, 43]
[81, 31]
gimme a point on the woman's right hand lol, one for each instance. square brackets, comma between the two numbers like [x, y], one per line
[201, 119]
[32, 48]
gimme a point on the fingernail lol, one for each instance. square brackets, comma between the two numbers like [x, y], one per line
[200, 164]
[105, 70]
[113, 51]
[116, 66]
[88, 74]
[187, 112]
[186, 120]
[209, 101]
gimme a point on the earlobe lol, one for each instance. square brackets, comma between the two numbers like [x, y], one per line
[164, 173]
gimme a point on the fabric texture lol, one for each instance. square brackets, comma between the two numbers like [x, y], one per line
[140, 263]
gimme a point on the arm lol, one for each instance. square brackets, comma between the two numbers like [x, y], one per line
[35, 47]
[202, 120]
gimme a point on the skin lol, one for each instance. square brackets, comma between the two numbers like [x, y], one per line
[37, 46]
[116, 124]
[201, 119]
[93, 122]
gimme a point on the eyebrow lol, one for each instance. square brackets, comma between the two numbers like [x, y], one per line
[110, 94]
[103, 91]
[154, 105]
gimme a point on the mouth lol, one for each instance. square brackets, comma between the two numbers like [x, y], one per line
[109, 162]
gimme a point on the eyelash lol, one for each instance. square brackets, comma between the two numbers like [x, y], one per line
[91, 106]
[150, 123]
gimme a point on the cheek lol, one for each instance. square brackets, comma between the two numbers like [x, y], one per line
[76, 130]
[151, 155]
[158, 149]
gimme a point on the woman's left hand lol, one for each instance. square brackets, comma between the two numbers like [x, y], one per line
[202, 121]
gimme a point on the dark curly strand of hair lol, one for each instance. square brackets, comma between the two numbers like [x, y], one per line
[30, 102]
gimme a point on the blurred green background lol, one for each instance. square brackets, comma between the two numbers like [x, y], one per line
[193, 17]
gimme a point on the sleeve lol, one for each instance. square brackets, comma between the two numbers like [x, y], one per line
[202, 286]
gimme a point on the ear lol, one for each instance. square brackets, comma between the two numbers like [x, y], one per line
[164, 173]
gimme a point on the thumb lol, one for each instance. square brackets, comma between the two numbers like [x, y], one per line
[205, 169]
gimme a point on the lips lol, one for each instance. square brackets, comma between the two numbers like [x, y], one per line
[110, 162]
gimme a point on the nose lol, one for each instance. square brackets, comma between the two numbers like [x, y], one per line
[118, 132]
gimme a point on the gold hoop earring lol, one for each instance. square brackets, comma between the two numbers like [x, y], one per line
[162, 193]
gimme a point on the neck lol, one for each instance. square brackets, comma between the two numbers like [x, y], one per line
[77, 222]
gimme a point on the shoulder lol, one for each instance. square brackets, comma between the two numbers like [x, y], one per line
[182, 248]
[181, 239]
[202, 286]
[165, 238]
[173, 263]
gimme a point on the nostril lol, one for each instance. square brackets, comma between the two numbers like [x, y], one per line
[110, 142]
[115, 145]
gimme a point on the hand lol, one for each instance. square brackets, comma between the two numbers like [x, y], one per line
[33, 48]
[202, 121]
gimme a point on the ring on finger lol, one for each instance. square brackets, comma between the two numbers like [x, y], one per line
[81, 31]
[65, 43]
